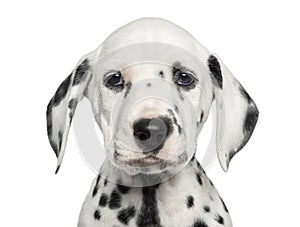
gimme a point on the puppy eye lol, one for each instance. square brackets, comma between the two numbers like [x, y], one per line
[185, 78]
[114, 79]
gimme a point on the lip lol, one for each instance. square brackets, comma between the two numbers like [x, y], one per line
[146, 161]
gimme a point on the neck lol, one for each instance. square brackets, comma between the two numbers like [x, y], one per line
[167, 203]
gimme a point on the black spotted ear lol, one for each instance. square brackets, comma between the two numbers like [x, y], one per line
[237, 113]
[61, 107]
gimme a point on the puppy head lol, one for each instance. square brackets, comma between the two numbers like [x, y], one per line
[146, 115]
[151, 85]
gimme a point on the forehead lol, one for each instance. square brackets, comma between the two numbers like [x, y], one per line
[146, 71]
[148, 60]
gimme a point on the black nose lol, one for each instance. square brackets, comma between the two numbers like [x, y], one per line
[150, 134]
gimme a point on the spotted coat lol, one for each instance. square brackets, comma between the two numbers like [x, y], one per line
[188, 199]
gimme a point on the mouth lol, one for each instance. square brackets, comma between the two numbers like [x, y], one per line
[145, 161]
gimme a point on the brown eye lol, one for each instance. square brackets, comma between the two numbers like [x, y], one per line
[114, 79]
[185, 79]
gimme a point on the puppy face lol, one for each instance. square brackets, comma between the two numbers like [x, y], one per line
[151, 132]
[147, 82]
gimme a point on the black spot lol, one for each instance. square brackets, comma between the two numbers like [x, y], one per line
[224, 206]
[49, 126]
[206, 209]
[201, 116]
[193, 157]
[177, 67]
[105, 182]
[176, 108]
[97, 215]
[125, 215]
[250, 120]
[198, 176]
[95, 190]
[116, 154]
[49, 117]
[103, 200]
[199, 223]
[190, 201]
[148, 84]
[161, 74]
[179, 128]
[128, 88]
[220, 219]
[115, 200]
[80, 72]
[71, 116]
[215, 69]
[57, 169]
[60, 135]
[61, 91]
[123, 189]
[72, 105]
[148, 215]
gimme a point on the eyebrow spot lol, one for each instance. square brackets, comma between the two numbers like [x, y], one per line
[128, 87]
[161, 74]
[177, 67]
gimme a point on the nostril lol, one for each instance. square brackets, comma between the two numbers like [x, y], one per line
[141, 129]
[142, 135]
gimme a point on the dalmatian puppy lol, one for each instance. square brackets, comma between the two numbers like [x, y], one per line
[188, 198]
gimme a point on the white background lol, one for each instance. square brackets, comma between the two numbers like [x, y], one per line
[41, 41]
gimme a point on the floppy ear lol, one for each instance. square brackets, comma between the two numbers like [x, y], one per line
[237, 113]
[61, 107]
